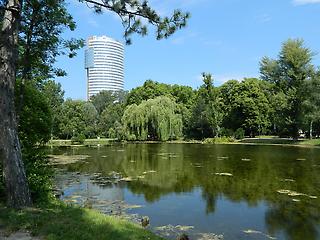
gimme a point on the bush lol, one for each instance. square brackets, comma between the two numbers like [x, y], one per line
[131, 137]
[39, 174]
[79, 138]
[218, 140]
[225, 132]
[239, 133]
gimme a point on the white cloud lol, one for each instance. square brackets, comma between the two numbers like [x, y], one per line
[303, 2]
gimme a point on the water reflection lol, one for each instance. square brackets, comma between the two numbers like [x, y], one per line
[192, 183]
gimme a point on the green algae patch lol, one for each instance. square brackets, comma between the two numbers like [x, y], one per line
[66, 159]
[59, 221]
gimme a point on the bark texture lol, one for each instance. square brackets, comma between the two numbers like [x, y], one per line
[17, 190]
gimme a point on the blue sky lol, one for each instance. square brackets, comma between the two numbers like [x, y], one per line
[224, 37]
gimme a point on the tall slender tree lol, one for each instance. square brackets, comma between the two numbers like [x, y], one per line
[311, 105]
[289, 74]
[16, 186]
[206, 115]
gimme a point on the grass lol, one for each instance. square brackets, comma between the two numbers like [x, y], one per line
[87, 142]
[284, 141]
[313, 142]
[273, 140]
[59, 221]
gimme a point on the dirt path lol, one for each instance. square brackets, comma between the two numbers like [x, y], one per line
[20, 235]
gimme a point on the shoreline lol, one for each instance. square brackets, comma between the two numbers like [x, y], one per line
[285, 142]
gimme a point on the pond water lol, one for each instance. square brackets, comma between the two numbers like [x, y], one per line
[238, 191]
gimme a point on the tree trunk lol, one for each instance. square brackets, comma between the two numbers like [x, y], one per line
[311, 129]
[16, 186]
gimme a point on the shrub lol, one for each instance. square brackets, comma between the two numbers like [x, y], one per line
[218, 140]
[225, 132]
[79, 138]
[131, 137]
[39, 174]
[239, 133]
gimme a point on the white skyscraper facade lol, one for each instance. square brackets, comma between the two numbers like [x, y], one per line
[104, 63]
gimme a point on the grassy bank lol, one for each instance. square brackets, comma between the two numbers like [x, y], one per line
[264, 140]
[280, 141]
[59, 221]
[87, 142]
[312, 142]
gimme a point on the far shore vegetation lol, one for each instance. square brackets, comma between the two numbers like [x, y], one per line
[265, 140]
[284, 102]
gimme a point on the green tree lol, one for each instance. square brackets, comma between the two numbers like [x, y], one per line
[154, 119]
[77, 117]
[206, 115]
[289, 74]
[33, 28]
[184, 96]
[245, 106]
[40, 41]
[55, 98]
[36, 117]
[102, 100]
[110, 119]
[130, 12]
[311, 105]
[34, 131]
[149, 90]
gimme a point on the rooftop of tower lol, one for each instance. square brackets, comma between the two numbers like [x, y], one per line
[103, 37]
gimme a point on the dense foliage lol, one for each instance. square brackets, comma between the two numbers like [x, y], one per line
[30, 40]
[284, 102]
[35, 127]
[154, 119]
[289, 76]
[245, 106]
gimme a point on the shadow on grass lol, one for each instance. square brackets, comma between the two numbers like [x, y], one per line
[59, 221]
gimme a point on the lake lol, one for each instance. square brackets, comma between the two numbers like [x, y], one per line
[238, 191]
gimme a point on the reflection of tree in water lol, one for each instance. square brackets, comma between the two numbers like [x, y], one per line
[297, 220]
[210, 201]
[252, 181]
[171, 172]
[183, 167]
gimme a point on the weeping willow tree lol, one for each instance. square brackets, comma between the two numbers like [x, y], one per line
[154, 119]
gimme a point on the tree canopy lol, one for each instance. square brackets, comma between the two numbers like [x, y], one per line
[154, 119]
[30, 41]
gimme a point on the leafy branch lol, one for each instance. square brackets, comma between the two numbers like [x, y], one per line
[134, 13]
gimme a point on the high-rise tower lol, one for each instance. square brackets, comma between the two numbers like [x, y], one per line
[104, 59]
